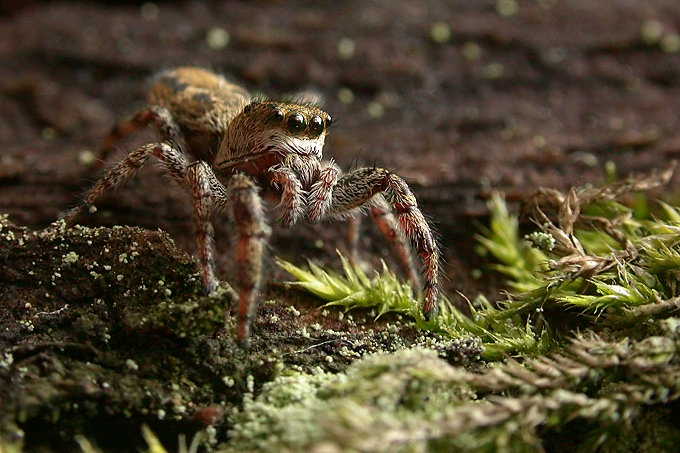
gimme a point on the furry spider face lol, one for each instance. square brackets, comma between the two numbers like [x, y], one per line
[282, 128]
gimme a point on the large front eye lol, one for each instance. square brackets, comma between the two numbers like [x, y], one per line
[276, 116]
[296, 123]
[316, 125]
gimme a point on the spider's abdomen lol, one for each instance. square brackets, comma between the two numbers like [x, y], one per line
[200, 100]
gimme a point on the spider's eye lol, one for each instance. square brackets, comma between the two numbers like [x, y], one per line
[276, 116]
[329, 120]
[248, 108]
[296, 123]
[316, 125]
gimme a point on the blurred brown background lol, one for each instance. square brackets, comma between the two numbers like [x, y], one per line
[458, 97]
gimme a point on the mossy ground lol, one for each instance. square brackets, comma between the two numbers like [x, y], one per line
[107, 328]
[586, 357]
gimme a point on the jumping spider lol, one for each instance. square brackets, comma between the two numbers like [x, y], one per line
[266, 149]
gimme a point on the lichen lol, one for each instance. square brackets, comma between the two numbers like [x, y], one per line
[411, 400]
[298, 412]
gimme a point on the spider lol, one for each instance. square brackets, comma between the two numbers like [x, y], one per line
[229, 150]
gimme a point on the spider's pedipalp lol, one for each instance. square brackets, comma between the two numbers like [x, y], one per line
[292, 202]
[321, 192]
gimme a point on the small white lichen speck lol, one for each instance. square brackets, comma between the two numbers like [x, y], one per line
[294, 311]
[70, 258]
[131, 365]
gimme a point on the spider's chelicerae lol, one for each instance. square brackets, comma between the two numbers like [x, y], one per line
[227, 150]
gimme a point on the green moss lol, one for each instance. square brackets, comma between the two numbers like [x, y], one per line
[591, 264]
[584, 354]
[592, 324]
[499, 331]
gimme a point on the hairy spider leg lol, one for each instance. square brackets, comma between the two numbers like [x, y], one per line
[253, 235]
[320, 200]
[241, 196]
[175, 163]
[199, 184]
[321, 192]
[168, 151]
[167, 128]
[209, 195]
[358, 187]
[173, 160]
[389, 227]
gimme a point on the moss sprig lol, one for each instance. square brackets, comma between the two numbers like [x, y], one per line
[499, 330]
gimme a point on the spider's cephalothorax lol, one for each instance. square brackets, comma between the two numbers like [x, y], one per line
[269, 133]
[228, 151]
